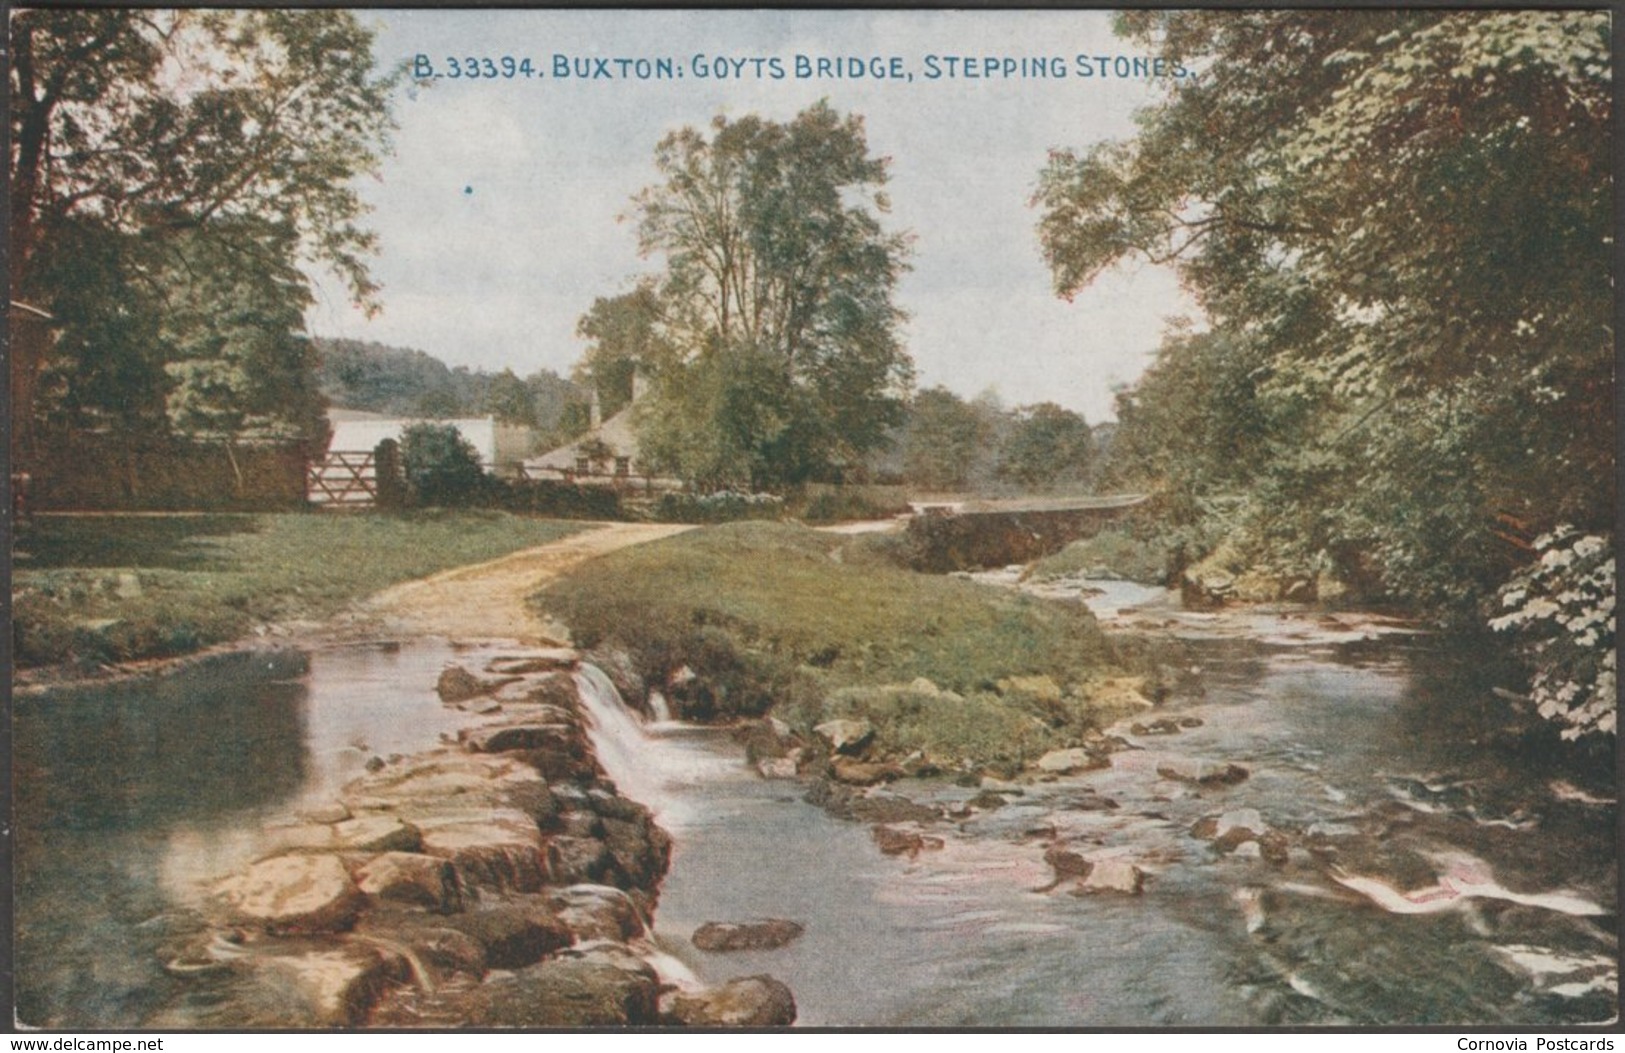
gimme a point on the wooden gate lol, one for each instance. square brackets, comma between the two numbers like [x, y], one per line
[344, 479]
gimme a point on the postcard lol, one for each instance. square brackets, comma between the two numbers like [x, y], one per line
[590, 518]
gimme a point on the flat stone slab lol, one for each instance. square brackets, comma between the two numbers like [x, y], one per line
[1202, 772]
[294, 893]
[411, 877]
[767, 934]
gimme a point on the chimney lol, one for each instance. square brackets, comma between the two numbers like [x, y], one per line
[640, 385]
[595, 415]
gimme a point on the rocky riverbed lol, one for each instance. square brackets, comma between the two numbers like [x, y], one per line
[500, 880]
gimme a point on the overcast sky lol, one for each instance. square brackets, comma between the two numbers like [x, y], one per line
[505, 209]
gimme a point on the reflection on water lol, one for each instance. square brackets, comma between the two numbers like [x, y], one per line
[1372, 756]
[130, 797]
[1377, 746]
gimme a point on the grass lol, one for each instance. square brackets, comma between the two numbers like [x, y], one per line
[1119, 554]
[813, 625]
[91, 589]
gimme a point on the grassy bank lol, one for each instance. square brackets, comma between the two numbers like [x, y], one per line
[772, 616]
[93, 589]
[1108, 554]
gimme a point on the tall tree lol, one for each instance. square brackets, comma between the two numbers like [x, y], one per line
[623, 334]
[508, 399]
[1048, 444]
[1410, 241]
[158, 130]
[779, 280]
[1405, 248]
[946, 439]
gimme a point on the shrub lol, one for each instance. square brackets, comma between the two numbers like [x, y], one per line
[441, 467]
[560, 500]
[723, 506]
[1561, 609]
[833, 504]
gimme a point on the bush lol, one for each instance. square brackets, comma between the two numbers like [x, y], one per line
[1561, 609]
[833, 504]
[441, 467]
[724, 506]
[560, 500]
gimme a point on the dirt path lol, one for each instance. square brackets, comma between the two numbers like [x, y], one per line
[486, 601]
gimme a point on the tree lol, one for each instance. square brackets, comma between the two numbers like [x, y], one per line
[778, 281]
[1048, 444]
[509, 400]
[158, 131]
[624, 337]
[945, 440]
[1368, 237]
[1405, 251]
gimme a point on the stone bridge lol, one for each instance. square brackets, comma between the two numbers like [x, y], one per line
[984, 534]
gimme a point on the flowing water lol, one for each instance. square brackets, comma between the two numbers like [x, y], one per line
[129, 799]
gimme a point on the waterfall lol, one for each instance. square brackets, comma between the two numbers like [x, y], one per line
[659, 708]
[651, 763]
[623, 745]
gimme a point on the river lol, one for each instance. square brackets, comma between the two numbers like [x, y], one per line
[1363, 750]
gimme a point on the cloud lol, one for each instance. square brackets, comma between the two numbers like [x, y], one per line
[500, 214]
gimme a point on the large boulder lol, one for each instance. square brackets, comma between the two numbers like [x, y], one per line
[293, 894]
[410, 877]
[514, 935]
[499, 849]
[719, 936]
[323, 986]
[750, 1001]
[1231, 828]
[601, 986]
[545, 660]
[522, 735]
[597, 912]
[859, 773]
[1112, 875]
[846, 736]
[457, 684]
[893, 841]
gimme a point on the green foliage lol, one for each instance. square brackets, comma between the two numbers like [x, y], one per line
[1404, 250]
[1561, 610]
[768, 613]
[947, 441]
[777, 358]
[1120, 554]
[119, 588]
[548, 497]
[1047, 445]
[981, 729]
[442, 468]
[624, 336]
[369, 376]
[723, 506]
[834, 504]
[169, 172]
[508, 399]
[237, 362]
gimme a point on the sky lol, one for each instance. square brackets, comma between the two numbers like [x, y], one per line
[505, 207]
